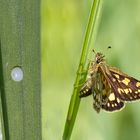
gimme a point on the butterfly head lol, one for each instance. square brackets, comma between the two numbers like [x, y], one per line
[99, 57]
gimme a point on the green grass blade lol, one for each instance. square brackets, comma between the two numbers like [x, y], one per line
[80, 78]
[20, 47]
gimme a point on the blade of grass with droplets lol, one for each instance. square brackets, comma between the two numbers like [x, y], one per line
[80, 78]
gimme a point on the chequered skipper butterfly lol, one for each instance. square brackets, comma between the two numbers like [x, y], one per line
[110, 87]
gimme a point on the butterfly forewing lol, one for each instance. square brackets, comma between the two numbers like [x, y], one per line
[127, 88]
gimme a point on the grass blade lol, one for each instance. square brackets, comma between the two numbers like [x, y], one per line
[80, 78]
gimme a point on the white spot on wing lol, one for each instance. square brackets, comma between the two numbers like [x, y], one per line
[120, 90]
[117, 76]
[112, 105]
[138, 84]
[111, 97]
[118, 100]
[126, 81]
[108, 104]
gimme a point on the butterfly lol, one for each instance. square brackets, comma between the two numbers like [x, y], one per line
[110, 87]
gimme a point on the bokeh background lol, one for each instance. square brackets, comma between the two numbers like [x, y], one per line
[62, 30]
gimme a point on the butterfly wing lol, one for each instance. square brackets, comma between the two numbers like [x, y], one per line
[113, 103]
[123, 89]
[104, 94]
[110, 100]
[126, 88]
[86, 89]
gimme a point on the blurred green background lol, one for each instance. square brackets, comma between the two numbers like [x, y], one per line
[62, 30]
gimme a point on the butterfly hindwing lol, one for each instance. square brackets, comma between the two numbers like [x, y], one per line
[113, 103]
[104, 95]
[110, 100]
[86, 90]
